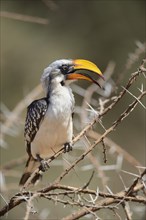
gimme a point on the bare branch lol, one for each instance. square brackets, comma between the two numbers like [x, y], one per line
[26, 18]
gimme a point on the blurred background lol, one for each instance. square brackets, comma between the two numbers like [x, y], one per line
[36, 32]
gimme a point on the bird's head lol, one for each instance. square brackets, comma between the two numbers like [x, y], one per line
[62, 71]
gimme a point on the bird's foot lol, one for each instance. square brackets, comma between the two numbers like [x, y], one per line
[44, 164]
[67, 147]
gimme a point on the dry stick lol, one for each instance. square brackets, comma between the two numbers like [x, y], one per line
[127, 210]
[89, 126]
[67, 202]
[117, 148]
[29, 207]
[72, 189]
[130, 190]
[89, 181]
[104, 151]
[116, 214]
[89, 205]
[75, 190]
[22, 17]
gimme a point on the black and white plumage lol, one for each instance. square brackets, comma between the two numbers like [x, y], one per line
[35, 114]
[49, 123]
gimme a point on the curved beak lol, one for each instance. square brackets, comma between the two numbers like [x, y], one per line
[81, 64]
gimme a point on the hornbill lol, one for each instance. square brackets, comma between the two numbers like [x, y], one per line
[49, 122]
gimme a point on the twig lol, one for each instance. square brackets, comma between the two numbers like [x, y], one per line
[22, 17]
[116, 148]
[104, 151]
[127, 210]
[30, 207]
[87, 184]
[131, 188]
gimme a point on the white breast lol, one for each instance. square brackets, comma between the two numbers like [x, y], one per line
[56, 128]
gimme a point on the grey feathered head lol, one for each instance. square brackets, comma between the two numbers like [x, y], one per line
[65, 69]
[53, 70]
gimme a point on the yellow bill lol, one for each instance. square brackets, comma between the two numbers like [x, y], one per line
[81, 64]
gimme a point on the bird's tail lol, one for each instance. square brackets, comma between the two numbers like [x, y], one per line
[31, 166]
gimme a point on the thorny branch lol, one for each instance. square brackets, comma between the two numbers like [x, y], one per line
[104, 202]
[108, 198]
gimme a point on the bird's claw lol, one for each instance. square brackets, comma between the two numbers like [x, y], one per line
[67, 147]
[44, 165]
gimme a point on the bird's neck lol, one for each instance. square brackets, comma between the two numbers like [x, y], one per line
[61, 100]
[56, 90]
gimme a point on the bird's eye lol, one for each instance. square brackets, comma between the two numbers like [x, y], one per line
[64, 69]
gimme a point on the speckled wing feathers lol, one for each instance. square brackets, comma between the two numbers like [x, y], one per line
[35, 114]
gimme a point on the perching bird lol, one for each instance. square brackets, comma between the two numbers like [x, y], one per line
[49, 124]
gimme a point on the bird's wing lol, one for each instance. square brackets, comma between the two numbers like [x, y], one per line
[35, 115]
